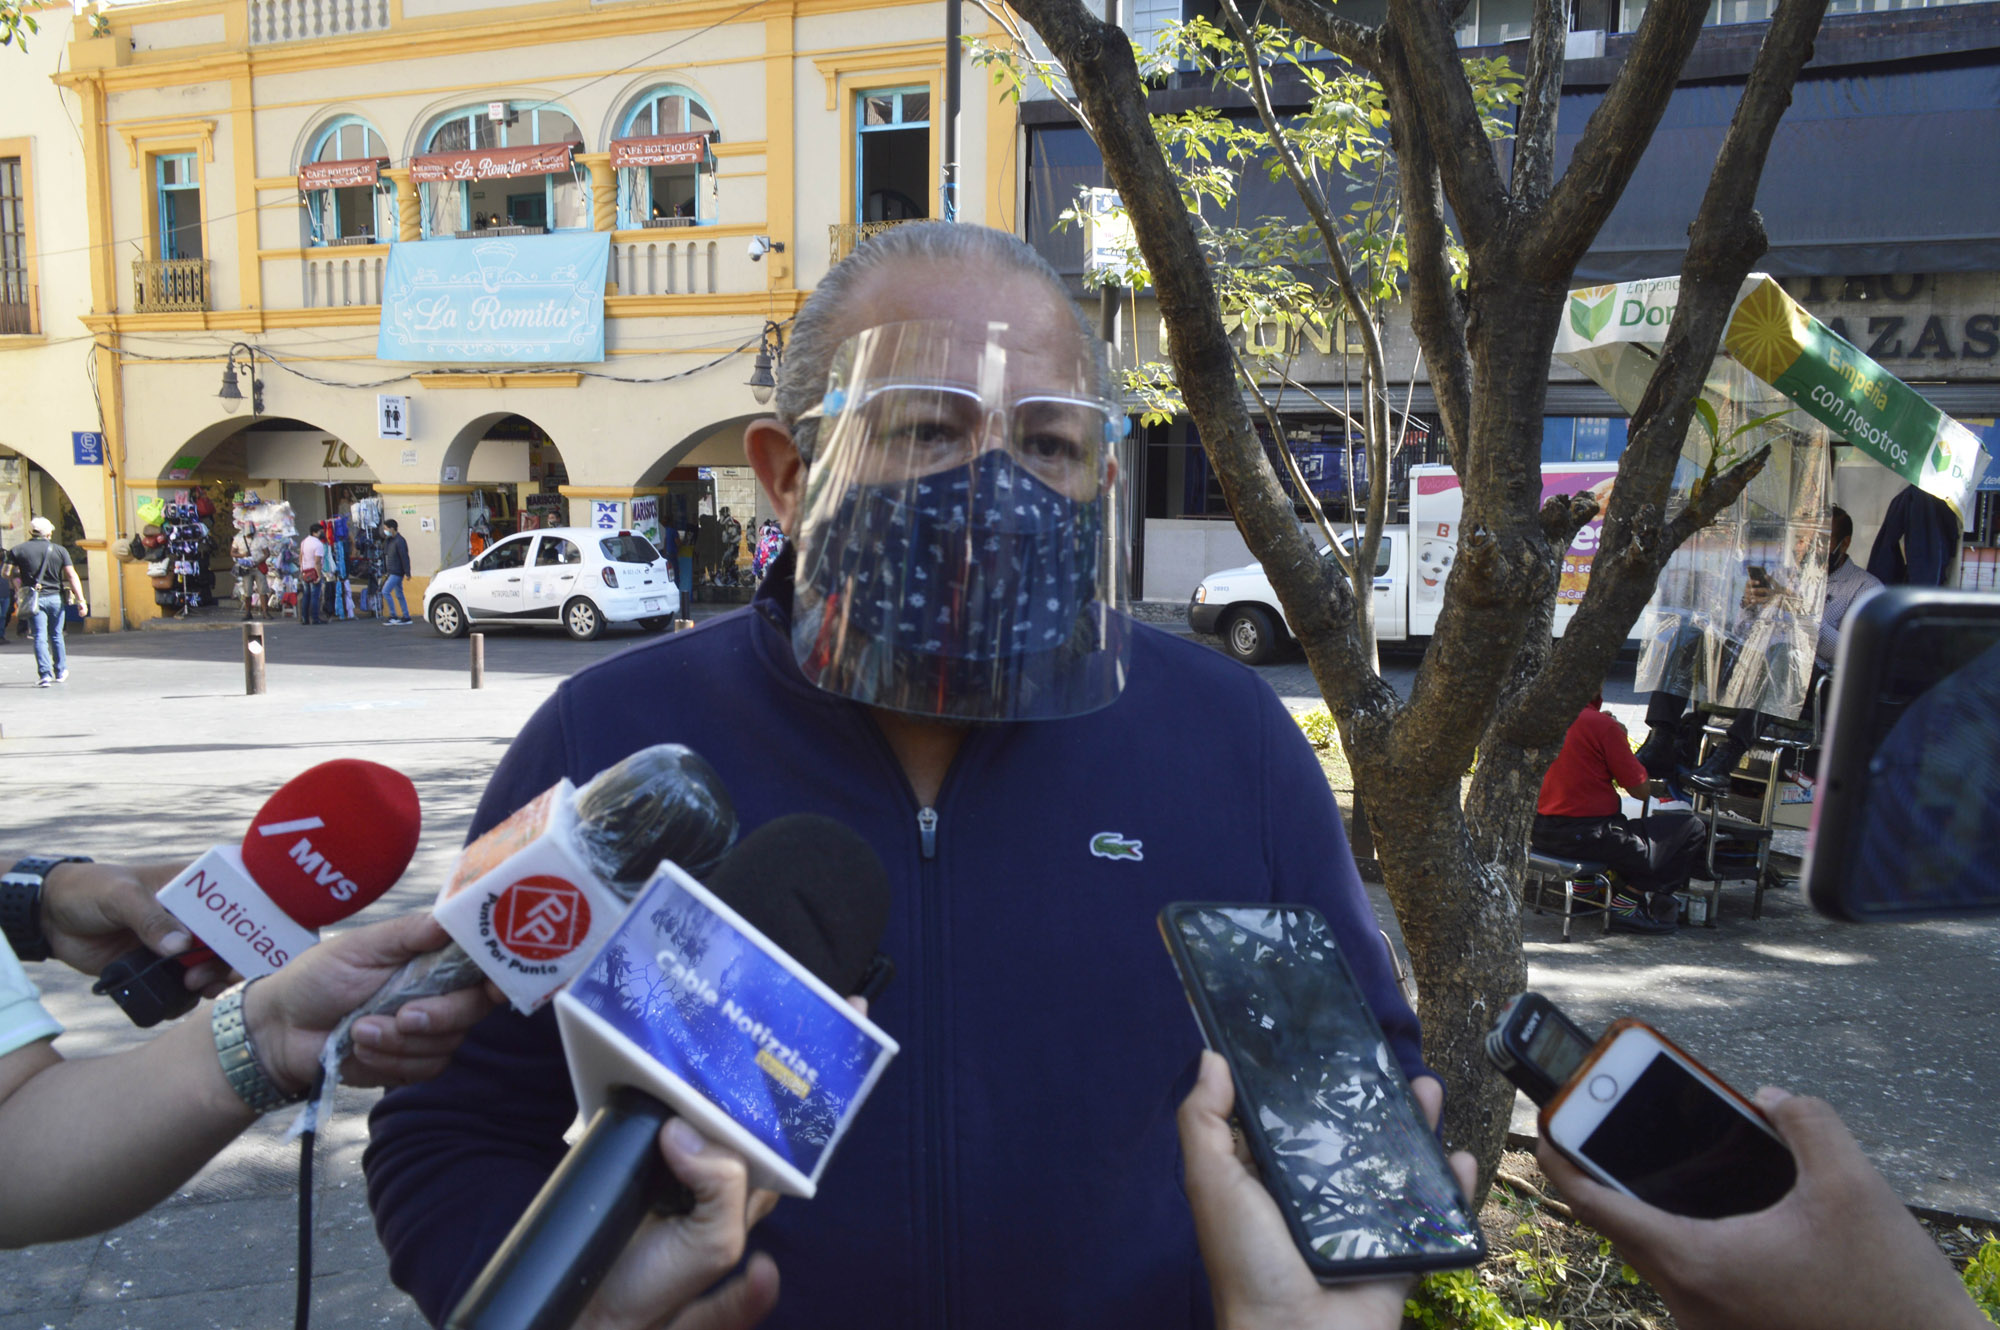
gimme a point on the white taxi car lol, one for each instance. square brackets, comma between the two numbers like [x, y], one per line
[570, 576]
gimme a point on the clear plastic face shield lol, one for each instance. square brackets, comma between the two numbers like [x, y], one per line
[961, 542]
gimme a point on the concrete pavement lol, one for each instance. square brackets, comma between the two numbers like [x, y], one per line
[151, 749]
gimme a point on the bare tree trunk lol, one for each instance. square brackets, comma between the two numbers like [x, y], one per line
[1491, 687]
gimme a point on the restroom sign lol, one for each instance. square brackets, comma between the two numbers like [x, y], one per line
[392, 416]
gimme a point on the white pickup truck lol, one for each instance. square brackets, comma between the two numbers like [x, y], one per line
[1410, 568]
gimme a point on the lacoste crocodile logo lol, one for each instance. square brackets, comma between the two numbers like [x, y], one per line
[1111, 845]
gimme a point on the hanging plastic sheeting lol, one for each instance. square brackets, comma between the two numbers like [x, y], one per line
[1737, 613]
[1736, 616]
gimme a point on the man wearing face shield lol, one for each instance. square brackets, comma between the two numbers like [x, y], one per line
[942, 660]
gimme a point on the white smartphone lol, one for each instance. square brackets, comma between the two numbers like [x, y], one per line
[1642, 1116]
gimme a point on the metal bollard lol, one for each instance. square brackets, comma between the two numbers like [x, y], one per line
[479, 660]
[253, 659]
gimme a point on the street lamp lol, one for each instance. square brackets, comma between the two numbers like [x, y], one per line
[762, 381]
[231, 395]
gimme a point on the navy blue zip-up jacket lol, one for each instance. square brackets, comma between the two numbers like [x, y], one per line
[1017, 1165]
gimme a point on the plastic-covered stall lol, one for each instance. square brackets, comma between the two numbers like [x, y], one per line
[1736, 617]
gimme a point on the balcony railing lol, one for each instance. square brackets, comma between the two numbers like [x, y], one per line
[167, 286]
[665, 268]
[344, 279]
[305, 20]
[844, 236]
[16, 317]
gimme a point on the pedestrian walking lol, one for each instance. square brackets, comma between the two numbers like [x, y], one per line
[312, 561]
[42, 574]
[395, 567]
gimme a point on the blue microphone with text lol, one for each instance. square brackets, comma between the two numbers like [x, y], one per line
[723, 1004]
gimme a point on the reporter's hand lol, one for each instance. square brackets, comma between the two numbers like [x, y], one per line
[94, 913]
[290, 1014]
[1259, 1280]
[1839, 1252]
[669, 1261]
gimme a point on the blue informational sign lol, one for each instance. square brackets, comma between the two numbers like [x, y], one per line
[88, 445]
[503, 300]
[722, 1015]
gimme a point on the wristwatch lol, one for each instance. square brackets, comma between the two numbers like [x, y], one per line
[246, 1075]
[21, 903]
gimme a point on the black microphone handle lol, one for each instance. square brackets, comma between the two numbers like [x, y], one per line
[149, 988]
[578, 1224]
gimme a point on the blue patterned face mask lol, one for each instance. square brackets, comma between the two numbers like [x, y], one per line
[978, 563]
[957, 548]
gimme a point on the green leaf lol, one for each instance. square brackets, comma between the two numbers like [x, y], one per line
[1705, 414]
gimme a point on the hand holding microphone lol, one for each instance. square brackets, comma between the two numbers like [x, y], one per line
[662, 802]
[93, 913]
[325, 846]
[724, 1001]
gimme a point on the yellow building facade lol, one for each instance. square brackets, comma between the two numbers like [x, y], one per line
[249, 167]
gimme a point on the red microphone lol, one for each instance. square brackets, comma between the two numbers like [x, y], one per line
[325, 846]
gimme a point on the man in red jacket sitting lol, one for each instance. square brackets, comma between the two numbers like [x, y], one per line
[1578, 816]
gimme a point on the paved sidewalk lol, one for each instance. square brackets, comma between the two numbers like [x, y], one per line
[156, 752]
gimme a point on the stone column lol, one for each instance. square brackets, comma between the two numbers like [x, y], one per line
[603, 190]
[409, 207]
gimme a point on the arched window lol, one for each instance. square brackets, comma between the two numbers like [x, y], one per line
[553, 199]
[662, 182]
[346, 200]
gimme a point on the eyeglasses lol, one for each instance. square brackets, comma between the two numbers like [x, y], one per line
[903, 430]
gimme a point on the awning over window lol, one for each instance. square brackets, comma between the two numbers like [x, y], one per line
[660, 150]
[1895, 169]
[341, 175]
[491, 163]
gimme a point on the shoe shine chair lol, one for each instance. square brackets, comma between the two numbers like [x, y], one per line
[1741, 818]
[1586, 886]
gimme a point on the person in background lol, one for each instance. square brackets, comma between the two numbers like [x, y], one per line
[1579, 816]
[43, 574]
[1846, 582]
[312, 563]
[395, 567]
[1918, 542]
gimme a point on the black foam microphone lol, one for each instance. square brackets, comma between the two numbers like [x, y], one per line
[815, 889]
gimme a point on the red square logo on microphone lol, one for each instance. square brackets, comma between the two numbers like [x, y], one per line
[541, 918]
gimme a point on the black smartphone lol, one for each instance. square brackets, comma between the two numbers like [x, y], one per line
[1330, 1120]
[1536, 1046]
[1906, 811]
[1643, 1117]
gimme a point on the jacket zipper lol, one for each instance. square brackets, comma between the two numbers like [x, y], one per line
[931, 909]
[937, 1280]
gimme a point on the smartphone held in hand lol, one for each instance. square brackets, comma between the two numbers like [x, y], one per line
[1330, 1120]
[1642, 1116]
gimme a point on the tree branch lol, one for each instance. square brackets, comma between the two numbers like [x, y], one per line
[1317, 600]
[1727, 237]
[1438, 86]
[1376, 433]
[1314, 21]
[1541, 95]
[1436, 318]
[1615, 138]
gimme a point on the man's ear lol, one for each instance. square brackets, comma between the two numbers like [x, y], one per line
[780, 470]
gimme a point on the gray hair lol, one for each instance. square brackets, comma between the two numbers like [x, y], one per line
[824, 322]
